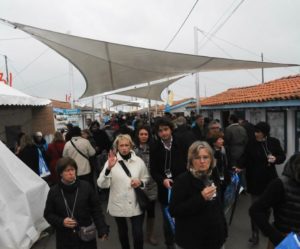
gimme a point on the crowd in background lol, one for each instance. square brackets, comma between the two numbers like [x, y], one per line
[193, 158]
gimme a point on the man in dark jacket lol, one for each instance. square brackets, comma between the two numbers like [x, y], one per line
[184, 133]
[101, 138]
[167, 161]
[283, 196]
[236, 139]
[200, 128]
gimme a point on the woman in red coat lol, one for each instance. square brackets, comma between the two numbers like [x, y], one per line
[54, 152]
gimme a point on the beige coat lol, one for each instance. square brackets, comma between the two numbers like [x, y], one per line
[86, 148]
[122, 200]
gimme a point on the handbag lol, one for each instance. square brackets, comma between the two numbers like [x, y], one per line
[87, 233]
[141, 197]
[43, 168]
[291, 241]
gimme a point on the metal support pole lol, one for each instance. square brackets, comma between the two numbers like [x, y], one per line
[262, 68]
[149, 107]
[93, 106]
[197, 87]
[6, 68]
[71, 79]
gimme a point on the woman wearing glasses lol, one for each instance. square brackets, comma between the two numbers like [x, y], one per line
[196, 203]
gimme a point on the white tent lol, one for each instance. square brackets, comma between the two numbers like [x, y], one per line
[108, 66]
[22, 200]
[152, 92]
[11, 96]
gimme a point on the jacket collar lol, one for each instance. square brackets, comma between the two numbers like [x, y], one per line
[132, 158]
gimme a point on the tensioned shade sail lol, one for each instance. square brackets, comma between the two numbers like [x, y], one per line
[117, 102]
[108, 66]
[152, 92]
[12, 96]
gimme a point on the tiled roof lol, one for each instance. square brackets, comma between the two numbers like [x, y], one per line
[287, 88]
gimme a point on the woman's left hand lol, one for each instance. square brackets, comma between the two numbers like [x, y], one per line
[135, 183]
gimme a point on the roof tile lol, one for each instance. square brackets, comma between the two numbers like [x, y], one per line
[285, 88]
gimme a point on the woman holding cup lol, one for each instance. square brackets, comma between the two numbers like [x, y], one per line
[260, 158]
[196, 203]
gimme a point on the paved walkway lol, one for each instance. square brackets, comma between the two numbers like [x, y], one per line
[239, 232]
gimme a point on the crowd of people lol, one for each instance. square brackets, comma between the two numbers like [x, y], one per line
[183, 164]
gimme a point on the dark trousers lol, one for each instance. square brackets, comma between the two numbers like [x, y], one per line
[254, 227]
[137, 231]
[168, 233]
[150, 211]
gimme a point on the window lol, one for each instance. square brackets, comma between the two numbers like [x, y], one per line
[297, 138]
[277, 121]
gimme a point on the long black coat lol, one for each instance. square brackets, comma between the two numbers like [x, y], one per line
[87, 209]
[199, 224]
[258, 173]
[161, 158]
[30, 156]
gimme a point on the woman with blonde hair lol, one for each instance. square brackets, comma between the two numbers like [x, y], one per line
[196, 203]
[122, 203]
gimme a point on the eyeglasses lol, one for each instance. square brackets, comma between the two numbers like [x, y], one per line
[215, 127]
[203, 158]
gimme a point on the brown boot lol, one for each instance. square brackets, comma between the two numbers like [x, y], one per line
[150, 232]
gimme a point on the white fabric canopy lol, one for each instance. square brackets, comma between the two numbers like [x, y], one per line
[22, 201]
[117, 102]
[109, 66]
[152, 92]
[11, 96]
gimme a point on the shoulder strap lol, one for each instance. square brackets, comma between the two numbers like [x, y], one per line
[86, 157]
[125, 168]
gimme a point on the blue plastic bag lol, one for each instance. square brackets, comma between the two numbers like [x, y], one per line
[292, 241]
[231, 191]
[168, 215]
[43, 168]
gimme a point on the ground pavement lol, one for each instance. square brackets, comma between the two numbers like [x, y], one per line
[239, 232]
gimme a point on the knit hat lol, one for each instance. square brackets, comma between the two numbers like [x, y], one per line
[262, 127]
[38, 134]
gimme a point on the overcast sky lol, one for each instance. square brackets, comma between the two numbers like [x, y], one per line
[257, 26]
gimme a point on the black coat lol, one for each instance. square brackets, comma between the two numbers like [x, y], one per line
[199, 224]
[87, 209]
[185, 136]
[30, 156]
[283, 196]
[159, 158]
[102, 140]
[258, 172]
[200, 132]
